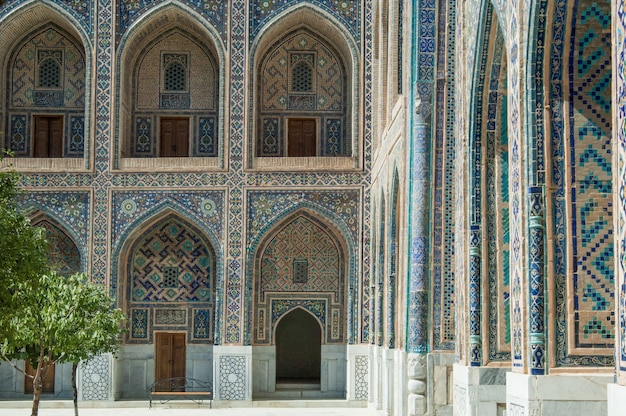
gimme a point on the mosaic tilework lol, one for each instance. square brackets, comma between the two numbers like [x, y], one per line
[63, 254]
[70, 209]
[306, 237]
[619, 60]
[103, 129]
[76, 145]
[379, 275]
[516, 190]
[50, 44]
[325, 99]
[445, 137]
[18, 137]
[81, 10]
[419, 161]
[264, 208]
[347, 12]
[392, 301]
[536, 282]
[477, 146]
[95, 377]
[139, 318]
[360, 316]
[588, 325]
[233, 375]
[215, 11]
[171, 243]
[593, 203]
[497, 207]
[131, 207]
[101, 180]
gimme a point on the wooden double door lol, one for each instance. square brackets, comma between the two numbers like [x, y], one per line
[170, 357]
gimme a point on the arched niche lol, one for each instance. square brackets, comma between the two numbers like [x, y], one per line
[46, 58]
[318, 115]
[301, 262]
[167, 272]
[63, 253]
[171, 68]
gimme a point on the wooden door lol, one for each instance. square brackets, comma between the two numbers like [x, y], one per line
[174, 137]
[47, 382]
[302, 137]
[48, 136]
[170, 360]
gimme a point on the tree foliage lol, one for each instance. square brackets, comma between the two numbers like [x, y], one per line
[60, 319]
[23, 248]
[46, 318]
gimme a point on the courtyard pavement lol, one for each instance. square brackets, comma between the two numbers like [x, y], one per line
[180, 408]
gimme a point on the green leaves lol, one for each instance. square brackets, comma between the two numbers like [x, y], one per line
[70, 318]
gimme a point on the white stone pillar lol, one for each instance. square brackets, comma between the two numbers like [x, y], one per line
[95, 378]
[232, 373]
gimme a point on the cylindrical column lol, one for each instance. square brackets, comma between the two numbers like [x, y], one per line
[536, 281]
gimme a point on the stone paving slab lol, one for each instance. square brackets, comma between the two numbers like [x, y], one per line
[269, 408]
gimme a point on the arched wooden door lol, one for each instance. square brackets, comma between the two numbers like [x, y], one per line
[298, 348]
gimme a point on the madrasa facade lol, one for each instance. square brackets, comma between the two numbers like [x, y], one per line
[416, 206]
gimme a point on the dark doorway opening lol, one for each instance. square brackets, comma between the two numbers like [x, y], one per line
[298, 348]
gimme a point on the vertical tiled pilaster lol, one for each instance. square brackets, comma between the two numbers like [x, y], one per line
[536, 281]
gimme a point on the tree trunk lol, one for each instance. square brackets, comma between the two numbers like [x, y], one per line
[74, 388]
[37, 384]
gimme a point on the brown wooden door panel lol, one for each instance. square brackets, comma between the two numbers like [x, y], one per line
[302, 137]
[47, 382]
[48, 136]
[170, 359]
[174, 137]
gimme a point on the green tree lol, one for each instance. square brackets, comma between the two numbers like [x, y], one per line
[60, 319]
[23, 247]
[45, 318]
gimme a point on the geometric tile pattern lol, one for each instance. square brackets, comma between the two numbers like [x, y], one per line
[131, 10]
[300, 239]
[422, 77]
[69, 209]
[593, 312]
[497, 215]
[65, 97]
[324, 98]
[443, 178]
[171, 243]
[233, 374]
[347, 12]
[585, 244]
[95, 377]
[107, 222]
[361, 374]
[516, 191]
[63, 254]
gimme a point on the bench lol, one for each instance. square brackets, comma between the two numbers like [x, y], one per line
[181, 387]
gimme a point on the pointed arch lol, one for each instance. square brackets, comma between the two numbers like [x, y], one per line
[394, 286]
[63, 252]
[329, 260]
[160, 210]
[167, 268]
[18, 26]
[202, 105]
[337, 130]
